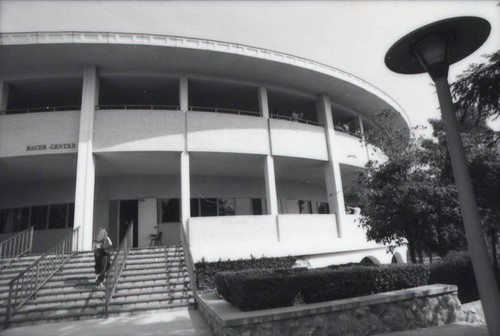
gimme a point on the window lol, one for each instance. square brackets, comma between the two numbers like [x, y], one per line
[226, 207]
[169, 210]
[58, 216]
[208, 207]
[54, 216]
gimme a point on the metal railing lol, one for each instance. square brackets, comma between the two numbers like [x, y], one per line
[190, 264]
[117, 266]
[290, 118]
[42, 109]
[137, 107]
[224, 110]
[16, 246]
[27, 283]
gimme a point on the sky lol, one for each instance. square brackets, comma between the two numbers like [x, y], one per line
[352, 36]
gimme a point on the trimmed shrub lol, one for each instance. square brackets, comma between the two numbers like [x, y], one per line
[353, 281]
[263, 289]
[206, 271]
[456, 269]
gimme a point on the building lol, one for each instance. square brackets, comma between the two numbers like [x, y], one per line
[248, 149]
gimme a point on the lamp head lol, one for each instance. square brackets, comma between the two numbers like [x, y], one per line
[434, 47]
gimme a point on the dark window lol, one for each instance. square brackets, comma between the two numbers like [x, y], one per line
[226, 207]
[14, 220]
[323, 208]
[39, 217]
[58, 216]
[208, 206]
[71, 215]
[257, 206]
[195, 207]
[169, 210]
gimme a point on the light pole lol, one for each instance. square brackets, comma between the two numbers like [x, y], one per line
[432, 49]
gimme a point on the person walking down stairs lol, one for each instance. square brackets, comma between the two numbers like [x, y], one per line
[102, 247]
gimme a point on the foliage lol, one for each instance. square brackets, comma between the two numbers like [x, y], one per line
[206, 271]
[263, 289]
[478, 89]
[404, 201]
[456, 269]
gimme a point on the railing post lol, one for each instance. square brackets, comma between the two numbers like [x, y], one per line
[9, 307]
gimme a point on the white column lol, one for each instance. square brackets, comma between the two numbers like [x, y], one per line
[185, 171]
[85, 173]
[270, 178]
[333, 179]
[4, 95]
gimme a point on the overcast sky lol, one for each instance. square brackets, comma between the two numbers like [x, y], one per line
[352, 36]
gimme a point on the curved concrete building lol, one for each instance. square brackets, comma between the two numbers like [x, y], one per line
[248, 149]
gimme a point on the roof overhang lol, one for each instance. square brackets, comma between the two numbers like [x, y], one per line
[65, 54]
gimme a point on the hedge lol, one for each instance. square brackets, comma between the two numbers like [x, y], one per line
[206, 271]
[456, 268]
[263, 289]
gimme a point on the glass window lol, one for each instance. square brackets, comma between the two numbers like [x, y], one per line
[39, 217]
[58, 216]
[226, 207]
[14, 220]
[195, 207]
[323, 208]
[71, 215]
[169, 210]
[208, 206]
[243, 206]
[257, 206]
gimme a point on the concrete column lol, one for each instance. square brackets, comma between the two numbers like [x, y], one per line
[185, 170]
[271, 194]
[183, 94]
[333, 180]
[85, 173]
[4, 95]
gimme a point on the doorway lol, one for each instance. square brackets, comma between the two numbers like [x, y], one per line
[129, 212]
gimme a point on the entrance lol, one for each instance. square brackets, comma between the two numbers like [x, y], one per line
[129, 212]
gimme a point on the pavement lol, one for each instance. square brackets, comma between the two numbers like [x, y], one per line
[188, 322]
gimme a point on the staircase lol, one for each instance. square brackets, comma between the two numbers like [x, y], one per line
[153, 279]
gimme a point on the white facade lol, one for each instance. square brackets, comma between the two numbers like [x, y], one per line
[243, 147]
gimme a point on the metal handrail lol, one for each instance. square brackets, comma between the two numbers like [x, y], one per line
[137, 107]
[117, 266]
[42, 109]
[27, 283]
[290, 118]
[224, 110]
[16, 246]
[190, 264]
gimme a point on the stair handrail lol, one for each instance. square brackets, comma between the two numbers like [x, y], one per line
[117, 266]
[27, 283]
[190, 264]
[16, 246]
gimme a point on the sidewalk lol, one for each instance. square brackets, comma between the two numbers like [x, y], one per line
[181, 322]
[188, 322]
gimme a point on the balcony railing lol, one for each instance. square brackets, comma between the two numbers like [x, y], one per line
[42, 109]
[25, 285]
[137, 107]
[290, 118]
[16, 246]
[224, 110]
[117, 266]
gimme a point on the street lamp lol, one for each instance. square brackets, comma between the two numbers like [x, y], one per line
[432, 49]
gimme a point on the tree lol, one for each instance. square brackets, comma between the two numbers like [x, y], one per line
[478, 89]
[403, 200]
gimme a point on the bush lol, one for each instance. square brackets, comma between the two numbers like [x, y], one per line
[456, 269]
[353, 281]
[206, 271]
[263, 289]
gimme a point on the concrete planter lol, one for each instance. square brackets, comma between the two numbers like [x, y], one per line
[406, 309]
